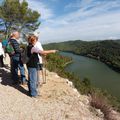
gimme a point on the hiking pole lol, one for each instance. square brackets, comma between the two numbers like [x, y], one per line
[42, 73]
[44, 80]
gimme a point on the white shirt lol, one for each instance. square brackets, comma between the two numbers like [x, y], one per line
[1, 49]
[37, 47]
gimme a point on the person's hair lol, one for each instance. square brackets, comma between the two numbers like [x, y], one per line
[13, 34]
[32, 38]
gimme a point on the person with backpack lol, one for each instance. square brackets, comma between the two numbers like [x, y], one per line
[32, 65]
[16, 61]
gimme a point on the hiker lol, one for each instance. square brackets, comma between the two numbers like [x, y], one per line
[40, 64]
[1, 54]
[32, 64]
[16, 61]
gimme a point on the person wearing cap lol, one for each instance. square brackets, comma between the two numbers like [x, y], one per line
[40, 64]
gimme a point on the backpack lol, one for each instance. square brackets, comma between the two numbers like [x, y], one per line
[9, 49]
[24, 57]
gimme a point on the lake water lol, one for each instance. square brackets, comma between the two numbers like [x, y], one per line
[99, 74]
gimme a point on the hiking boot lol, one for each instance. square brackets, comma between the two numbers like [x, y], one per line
[24, 83]
[37, 96]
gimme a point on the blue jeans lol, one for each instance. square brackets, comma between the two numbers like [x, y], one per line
[33, 81]
[15, 64]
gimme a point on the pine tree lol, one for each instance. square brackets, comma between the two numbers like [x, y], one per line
[16, 15]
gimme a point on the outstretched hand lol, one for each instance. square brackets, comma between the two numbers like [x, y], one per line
[54, 51]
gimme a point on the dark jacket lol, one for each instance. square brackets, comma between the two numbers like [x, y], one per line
[33, 58]
[16, 47]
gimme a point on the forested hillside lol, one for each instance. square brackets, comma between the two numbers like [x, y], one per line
[107, 51]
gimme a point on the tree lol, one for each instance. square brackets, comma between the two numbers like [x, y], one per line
[17, 16]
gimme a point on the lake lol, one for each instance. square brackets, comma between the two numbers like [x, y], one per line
[99, 73]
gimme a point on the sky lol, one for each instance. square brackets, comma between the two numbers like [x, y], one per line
[63, 20]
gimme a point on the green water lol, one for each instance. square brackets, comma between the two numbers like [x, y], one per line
[100, 74]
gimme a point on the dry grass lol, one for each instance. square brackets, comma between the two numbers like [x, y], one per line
[101, 102]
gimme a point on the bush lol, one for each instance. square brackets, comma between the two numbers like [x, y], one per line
[99, 101]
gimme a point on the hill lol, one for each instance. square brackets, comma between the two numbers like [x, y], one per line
[107, 51]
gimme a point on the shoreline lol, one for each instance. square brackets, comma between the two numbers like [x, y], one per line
[108, 63]
[70, 62]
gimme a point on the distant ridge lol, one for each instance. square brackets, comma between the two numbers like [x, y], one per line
[107, 51]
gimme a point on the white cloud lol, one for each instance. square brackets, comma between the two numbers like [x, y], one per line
[92, 21]
[90, 8]
[99, 27]
[46, 13]
[78, 4]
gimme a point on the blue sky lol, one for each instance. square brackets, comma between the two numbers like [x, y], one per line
[63, 20]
